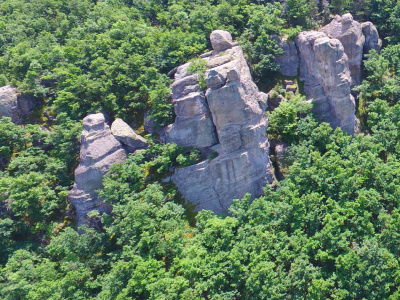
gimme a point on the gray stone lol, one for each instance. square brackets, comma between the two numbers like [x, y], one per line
[326, 74]
[212, 185]
[99, 151]
[372, 40]
[228, 119]
[8, 102]
[221, 40]
[289, 61]
[349, 33]
[193, 123]
[15, 105]
[127, 136]
[149, 124]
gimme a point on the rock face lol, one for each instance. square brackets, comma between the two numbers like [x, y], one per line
[15, 105]
[372, 40]
[326, 74]
[228, 118]
[349, 33]
[99, 150]
[289, 61]
[330, 65]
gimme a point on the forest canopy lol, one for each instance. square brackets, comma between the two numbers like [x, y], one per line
[329, 230]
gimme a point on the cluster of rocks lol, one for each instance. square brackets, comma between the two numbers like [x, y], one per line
[330, 63]
[101, 147]
[227, 118]
[15, 105]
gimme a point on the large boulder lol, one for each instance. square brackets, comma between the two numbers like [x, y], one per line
[127, 136]
[372, 40]
[234, 110]
[221, 40]
[15, 105]
[99, 151]
[349, 33]
[324, 68]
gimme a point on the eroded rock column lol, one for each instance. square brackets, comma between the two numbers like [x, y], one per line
[237, 111]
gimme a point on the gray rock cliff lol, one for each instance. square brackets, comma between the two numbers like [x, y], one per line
[289, 61]
[326, 74]
[100, 149]
[349, 33]
[330, 66]
[372, 40]
[231, 115]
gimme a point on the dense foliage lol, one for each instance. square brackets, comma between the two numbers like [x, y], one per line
[329, 230]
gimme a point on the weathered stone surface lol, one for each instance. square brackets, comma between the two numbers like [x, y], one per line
[221, 40]
[127, 136]
[15, 105]
[99, 150]
[372, 40]
[349, 33]
[325, 70]
[231, 114]
[193, 124]
[8, 102]
[289, 61]
[212, 185]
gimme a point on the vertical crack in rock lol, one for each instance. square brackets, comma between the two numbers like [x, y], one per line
[230, 117]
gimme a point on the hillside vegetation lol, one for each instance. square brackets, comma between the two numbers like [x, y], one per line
[329, 230]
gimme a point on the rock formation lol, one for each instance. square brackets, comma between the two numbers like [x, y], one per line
[15, 105]
[372, 40]
[288, 62]
[127, 136]
[228, 118]
[326, 74]
[330, 65]
[349, 33]
[99, 150]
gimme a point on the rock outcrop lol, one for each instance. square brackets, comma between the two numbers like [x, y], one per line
[326, 74]
[330, 66]
[372, 40]
[15, 105]
[288, 62]
[228, 118]
[349, 33]
[127, 136]
[100, 149]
